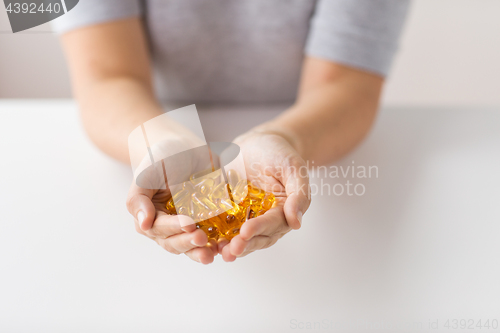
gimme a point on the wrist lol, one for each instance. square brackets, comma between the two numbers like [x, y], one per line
[275, 128]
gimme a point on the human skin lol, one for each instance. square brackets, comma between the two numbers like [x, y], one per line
[335, 108]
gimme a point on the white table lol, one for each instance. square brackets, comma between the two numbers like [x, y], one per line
[421, 244]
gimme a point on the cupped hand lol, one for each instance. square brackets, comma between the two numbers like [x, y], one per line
[273, 164]
[147, 199]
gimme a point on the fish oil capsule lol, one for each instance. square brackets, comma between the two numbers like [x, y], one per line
[170, 206]
[183, 206]
[230, 219]
[260, 212]
[213, 208]
[217, 192]
[250, 214]
[229, 193]
[230, 234]
[188, 186]
[199, 174]
[203, 204]
[181, 195]
[257, 192]
[205, 186]
[232, 177]
[238, 212]
[183, 211]
[213, 232]
[220, 222]
[210, 230]
[225, 204]
[202, 216]
[268, 201]
[245, 202]
[253, 199]
[247, 213]
[198, 203]
[256, 207]
[207, 173]
[240, 191]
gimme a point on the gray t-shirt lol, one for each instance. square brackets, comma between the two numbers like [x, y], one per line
[250, 51]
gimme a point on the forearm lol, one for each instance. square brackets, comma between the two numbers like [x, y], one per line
[111, 73]
[111, 108]
[331, 117]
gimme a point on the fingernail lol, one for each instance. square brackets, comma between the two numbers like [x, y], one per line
[299, 217]
[140, 217]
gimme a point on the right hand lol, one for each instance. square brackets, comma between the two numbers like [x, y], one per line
[175, 233]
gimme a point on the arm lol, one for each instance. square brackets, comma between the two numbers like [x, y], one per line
[334, 111]
[111, 75]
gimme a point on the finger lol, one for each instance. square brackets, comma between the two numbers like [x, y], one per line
[139, 230]
[226, 255]
[141, 207]
[272, 222]
[221, 243]
[168, 225]
[240, 247]
[213, 246]
[203, 255]
[184, 242]
[298, 194]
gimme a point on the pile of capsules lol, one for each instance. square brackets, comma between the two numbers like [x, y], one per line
[219, 208]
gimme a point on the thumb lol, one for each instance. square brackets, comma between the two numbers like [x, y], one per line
[140, 205]
[298, 195]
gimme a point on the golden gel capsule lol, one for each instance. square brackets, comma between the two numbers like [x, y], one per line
[253, 199]
[203, 204]
[188, 186]
[211, 206]
[256, 192]
[225, 204]
[181, 195]
[200, 205]
[205, 186]
[218, 192]
[268, 201]
[170, 206]
[249, 214]
[220, 222]
[256, 206]
[230, 234]
[240, 190]
[199, 174]
[260, 212]
[183, 211]
[230, 219]
[206, 174]
[212, 203]
[211, 231]
[202, 216]
[232, 177]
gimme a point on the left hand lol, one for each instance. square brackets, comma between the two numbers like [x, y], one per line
[273, 164]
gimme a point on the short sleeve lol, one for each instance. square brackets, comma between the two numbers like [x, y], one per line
[358, 33]
[90, 12]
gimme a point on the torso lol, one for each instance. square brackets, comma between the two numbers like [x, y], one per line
[244, 51]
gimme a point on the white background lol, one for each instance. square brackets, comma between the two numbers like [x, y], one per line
[449, 55]
[420, 245]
